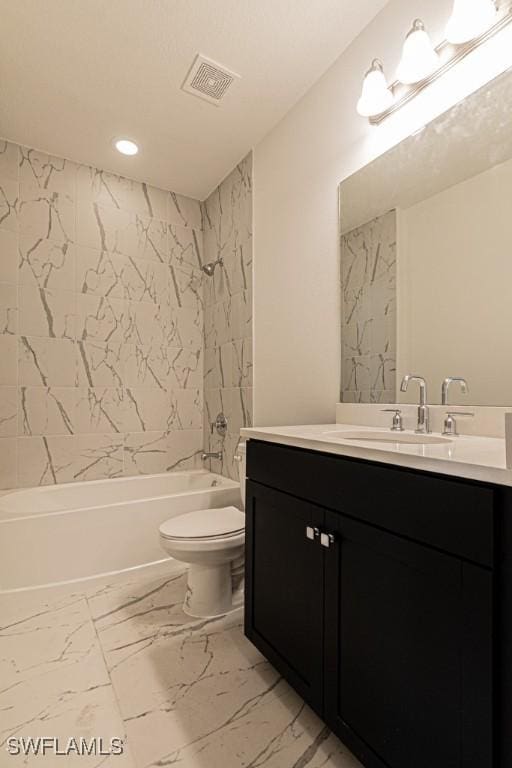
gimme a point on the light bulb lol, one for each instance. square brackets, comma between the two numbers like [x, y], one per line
[419, 57]
[126, 147]
[376, 96]
[470, 19]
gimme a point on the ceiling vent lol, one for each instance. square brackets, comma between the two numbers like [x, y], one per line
[208, 80]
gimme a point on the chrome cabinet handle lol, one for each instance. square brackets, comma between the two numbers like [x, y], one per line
[312, 533]
[327, 540]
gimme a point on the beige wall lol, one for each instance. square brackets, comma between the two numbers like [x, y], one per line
[101, 324]
[455, 273]
[297, 169]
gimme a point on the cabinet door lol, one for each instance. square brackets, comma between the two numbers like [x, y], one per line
[408, 651]
[284, 608]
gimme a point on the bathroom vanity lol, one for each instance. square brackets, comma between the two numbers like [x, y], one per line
[383, 594]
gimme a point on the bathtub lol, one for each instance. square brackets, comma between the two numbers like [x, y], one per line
[65, 533]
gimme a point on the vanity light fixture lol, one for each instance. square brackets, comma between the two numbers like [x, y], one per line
[419, 57]
[469, 19]
[472, 23]
[126, 146]
[376, 96]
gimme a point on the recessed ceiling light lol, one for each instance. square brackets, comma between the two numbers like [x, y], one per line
[126, 147]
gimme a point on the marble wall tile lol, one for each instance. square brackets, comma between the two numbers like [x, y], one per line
[185, 247]
[98, 457]
[147, 409]
[46, 410]
[8, 462]
[9, 160]
[116, 276]
[102, 319]
[105, 228]
[100, 410]
[100, 364]
[152, 239]
[186, 367]
[101, 322]
[147, 365]
[187, 328]
[9, 357]
[46, 214]
[151, 324]
[147, 281]
[9, 203]
[227, 230]
[96, 186]
[8, 256]
[51, 314]
[382, 372]
[186, 287]
[119, 231]
[8, 309]
[212, 368]
[242, 363]
[46, 460]
[184, 448]
[236, 404]
[186, 409]
[356, 374]
[145, 453]
[46, 362]
[46, 264]
[101, 273]
[8, 412]
[184, 211]
[368, 283]
[46, 172]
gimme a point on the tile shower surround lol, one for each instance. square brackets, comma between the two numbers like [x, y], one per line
[101, 324]
[368, 291]
[227, 230]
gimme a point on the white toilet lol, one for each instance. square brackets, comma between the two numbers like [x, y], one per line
[212, 542]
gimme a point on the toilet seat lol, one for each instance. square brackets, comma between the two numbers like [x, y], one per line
[206, 525]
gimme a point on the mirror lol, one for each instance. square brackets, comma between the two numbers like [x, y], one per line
[426, 259]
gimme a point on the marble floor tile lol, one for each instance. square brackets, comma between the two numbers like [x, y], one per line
[118, 657]
[54, 679]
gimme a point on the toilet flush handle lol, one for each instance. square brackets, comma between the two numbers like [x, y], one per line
[237, 456]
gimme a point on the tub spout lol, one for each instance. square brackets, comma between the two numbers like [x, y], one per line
[215, 455]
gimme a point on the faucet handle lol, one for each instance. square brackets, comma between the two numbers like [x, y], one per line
[397, 425]
[450, 423]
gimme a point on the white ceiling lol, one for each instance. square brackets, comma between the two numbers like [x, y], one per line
[74, 74]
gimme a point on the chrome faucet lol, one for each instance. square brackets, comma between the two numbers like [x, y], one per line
[423, 426]
[446, 386]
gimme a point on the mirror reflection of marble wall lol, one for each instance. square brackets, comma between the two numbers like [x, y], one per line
[426, 259]
[368, 269]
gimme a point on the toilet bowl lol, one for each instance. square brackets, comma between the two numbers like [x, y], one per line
[211, 541]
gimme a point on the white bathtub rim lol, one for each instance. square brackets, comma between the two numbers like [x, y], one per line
[73, 510]
[120, 572]
[20, 515]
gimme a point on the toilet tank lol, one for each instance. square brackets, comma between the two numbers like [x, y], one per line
[240, 457]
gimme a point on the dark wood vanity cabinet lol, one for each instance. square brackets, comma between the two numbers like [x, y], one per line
[286, 587]
[389, 624]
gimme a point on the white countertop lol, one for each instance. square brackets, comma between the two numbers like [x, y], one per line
[470, 457]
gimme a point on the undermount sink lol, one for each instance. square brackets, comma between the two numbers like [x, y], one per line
[405, 438]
